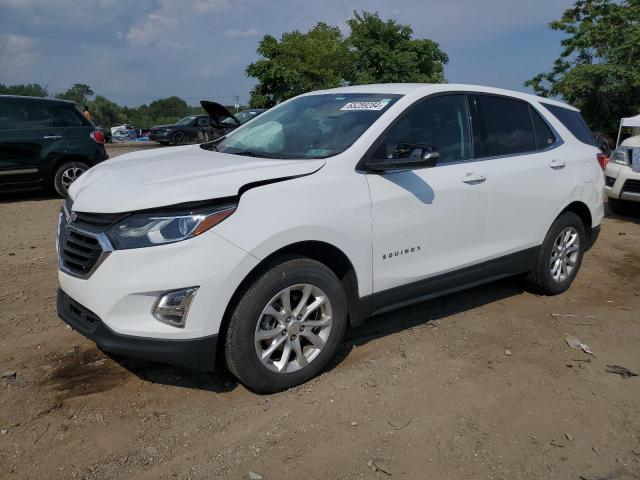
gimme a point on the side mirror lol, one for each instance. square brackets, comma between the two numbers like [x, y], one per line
[406, 156]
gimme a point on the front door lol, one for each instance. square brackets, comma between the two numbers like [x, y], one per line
[430, 221]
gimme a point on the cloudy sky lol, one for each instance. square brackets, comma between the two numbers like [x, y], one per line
[134, 51]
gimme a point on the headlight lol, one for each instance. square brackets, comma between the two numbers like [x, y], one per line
[148, 229]
[619, 156]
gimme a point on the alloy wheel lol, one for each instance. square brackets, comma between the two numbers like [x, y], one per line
[70, 175]
[565, 254]
[293, 328]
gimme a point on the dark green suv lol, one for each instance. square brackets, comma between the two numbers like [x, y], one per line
[45, 143]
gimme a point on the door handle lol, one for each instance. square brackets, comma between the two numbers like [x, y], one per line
[557, 164]
[473, 178]
[52, 137]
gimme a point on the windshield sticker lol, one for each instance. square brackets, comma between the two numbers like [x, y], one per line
[367, 106]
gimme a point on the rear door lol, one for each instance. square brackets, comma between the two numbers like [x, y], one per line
[29, 143]
[77, 129]
[528, 177]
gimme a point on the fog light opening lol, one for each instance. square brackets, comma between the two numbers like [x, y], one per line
[172, 307]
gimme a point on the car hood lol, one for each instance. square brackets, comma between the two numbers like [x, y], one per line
[160, 127]
[170, 176]
[218, 113]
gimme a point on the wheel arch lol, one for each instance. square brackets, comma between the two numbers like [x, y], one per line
[327, 254]
[64, 159]
[582, 210]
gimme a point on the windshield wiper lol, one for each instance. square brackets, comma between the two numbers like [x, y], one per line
[250, 153]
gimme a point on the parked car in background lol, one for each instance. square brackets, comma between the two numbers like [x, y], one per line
[45, 143]
[223, 121]
[622, 175]
[186, 130]
[202, 128]
[329, 208]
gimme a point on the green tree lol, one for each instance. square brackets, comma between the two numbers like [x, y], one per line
[299, 62]
[375, 51]
[166, 110]
[385, 52]
[79, 93]
[599, 67]
[105, 112]
[30, 90]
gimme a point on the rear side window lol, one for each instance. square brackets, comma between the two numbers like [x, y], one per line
[506, 127]
[67, 117]
[573, 121]
[544, 135]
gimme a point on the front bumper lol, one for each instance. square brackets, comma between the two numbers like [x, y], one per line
[160, 136]
[195, 353]
[622, 182]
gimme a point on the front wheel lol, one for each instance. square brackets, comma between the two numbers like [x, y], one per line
[66, 174]
[287, 326]
[179, 138]
[560, 256]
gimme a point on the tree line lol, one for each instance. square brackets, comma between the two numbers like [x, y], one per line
[598, 70]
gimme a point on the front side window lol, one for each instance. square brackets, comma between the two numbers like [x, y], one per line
[441, 122]
[313, 126]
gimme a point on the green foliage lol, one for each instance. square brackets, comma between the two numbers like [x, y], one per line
[376, 51]
[385, 52]
[79, 93]
[599, 68]
[299, 62]
[29, 90]
[107, 114]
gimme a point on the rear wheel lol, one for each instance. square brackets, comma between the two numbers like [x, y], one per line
[66, 174]
[287, 326]
[560, 256]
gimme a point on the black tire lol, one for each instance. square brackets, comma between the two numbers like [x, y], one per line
[240, 347]
[541, 279]
[178, 138]
[65, 174]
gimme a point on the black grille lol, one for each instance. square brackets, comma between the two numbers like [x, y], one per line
[79, 252]
[631, 186]
[79, 317]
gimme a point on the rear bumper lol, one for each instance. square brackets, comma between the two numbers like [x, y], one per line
[194, 353]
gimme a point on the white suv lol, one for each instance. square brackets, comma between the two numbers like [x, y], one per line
[622, 175]
[334, 206]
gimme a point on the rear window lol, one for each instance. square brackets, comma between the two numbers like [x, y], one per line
[573, 121]
[506, 126]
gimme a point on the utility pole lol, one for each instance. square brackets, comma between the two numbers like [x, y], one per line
[236, 102]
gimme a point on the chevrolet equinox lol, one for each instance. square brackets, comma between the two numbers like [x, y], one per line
[265, 245]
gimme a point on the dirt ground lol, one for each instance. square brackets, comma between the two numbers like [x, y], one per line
[476, 385]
